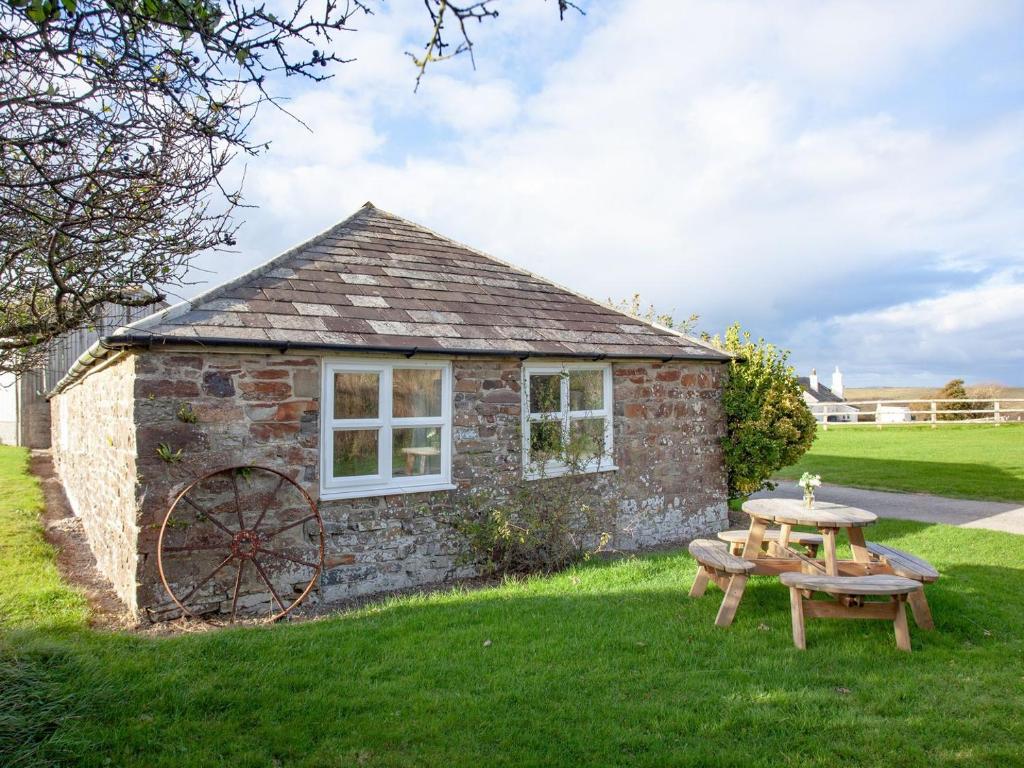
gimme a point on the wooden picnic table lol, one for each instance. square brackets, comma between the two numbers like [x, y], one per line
[875, 569]
[828, 518]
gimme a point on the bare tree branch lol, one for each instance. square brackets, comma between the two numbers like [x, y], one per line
[117, 121]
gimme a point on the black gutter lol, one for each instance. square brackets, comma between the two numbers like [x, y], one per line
[125, 341]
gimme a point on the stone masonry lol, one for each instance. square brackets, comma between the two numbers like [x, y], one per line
[263, 408]
[94, 449]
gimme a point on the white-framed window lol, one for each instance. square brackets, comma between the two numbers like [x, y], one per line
[387, 427]
[567, 418]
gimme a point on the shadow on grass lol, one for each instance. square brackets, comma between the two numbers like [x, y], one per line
[610, 663]
[961, 480]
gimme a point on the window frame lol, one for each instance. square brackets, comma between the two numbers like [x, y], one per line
[533, 470]
[383, 483]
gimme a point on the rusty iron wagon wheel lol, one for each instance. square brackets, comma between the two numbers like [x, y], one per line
[241, 542]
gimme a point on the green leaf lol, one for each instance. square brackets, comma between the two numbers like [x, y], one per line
[69, 5]
[241, 55]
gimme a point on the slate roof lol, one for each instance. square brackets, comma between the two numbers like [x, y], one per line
[823, 393]
[378, 282]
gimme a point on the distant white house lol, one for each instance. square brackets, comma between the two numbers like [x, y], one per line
[827, 403]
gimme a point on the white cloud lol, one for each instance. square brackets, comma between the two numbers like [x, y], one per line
[935, 338]
[724, 158]
[468, 107]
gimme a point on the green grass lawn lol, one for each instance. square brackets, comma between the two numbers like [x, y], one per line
[606, 664]
[969, 461]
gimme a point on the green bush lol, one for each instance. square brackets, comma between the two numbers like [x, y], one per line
[544, 523]
[769, 424]
[538, 526]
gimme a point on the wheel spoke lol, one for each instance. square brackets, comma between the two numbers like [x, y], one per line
[238, 504]
[284, 528]
[238, 586]
[208, 516]
[283, 556]
[196, 547]
[270, 500]
[266, 580]
[202, 583]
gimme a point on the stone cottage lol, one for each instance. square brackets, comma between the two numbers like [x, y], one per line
[384, 367]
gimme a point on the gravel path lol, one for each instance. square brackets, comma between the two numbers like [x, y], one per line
[993, 515]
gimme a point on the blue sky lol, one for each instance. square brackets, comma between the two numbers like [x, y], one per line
[845, 179]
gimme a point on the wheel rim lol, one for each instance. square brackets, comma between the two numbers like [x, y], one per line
[251, 520]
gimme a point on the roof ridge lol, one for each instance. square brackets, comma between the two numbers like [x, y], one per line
[187, 305]
[549, 281]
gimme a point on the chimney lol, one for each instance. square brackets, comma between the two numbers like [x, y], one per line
[837, 382]
[814, 379]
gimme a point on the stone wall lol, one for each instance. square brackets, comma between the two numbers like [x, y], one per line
[264, 409]
[94, 452]
[669, 425]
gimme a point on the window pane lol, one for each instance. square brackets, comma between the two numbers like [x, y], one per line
[545, 440]
[355, 452]
[586, 390]
[416, 451]
[586, 438]
[417, 392]
[356, 395]
[546, 393]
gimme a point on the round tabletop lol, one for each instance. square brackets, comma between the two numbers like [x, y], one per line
[822, 514]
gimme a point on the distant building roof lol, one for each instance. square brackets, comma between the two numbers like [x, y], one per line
[822, 394]
[376, 281]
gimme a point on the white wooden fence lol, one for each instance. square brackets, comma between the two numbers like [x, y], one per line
[935, 412]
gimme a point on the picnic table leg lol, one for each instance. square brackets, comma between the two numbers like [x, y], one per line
[860, 549]
[919, 606]
[731, 602]
[700, 584]
[900, 625]
[752, 549]
[779, 548]
[831, 565]
[796, 606]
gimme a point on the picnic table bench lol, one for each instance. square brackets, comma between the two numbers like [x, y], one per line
[911, 567]
[802, 587]
[727, 570]
[736, 539]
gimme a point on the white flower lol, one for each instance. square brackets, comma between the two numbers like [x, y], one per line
[808, 481]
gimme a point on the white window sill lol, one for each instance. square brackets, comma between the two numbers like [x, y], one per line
[563, 470]
[331, 494]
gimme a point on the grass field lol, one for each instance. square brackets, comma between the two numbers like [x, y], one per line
[603, 665]
[971, 461]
